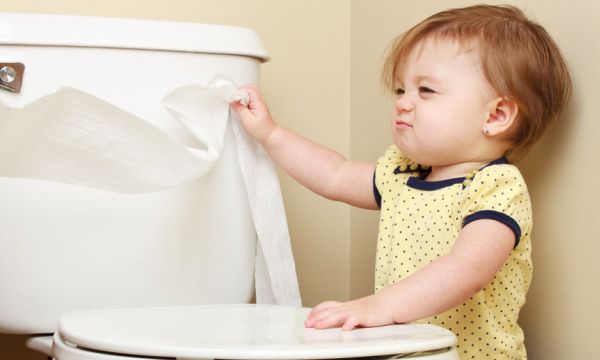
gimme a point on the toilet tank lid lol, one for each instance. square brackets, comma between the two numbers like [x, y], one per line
[104, 32]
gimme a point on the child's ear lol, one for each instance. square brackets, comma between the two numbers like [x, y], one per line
[502, 113]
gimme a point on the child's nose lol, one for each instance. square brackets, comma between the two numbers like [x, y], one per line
[404, 104]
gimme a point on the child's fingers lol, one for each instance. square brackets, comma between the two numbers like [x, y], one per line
[238, 106]
[318, 312]
[325, 305]
[242, 111]
[327, 315]
[255, 100]
[252, 91]
[314, 313]
[255, 116]
[334, 317]
[350, 323]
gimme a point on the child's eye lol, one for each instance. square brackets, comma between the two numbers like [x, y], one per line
[399, 91]
[425, 89]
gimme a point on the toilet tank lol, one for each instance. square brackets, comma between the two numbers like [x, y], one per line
[66, 247]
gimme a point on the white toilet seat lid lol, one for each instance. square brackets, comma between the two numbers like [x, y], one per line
[239, 332]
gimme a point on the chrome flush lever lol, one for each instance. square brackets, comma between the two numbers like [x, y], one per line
[11, 76]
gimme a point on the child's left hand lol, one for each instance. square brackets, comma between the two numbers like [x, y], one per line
[369, 311]
[477, 255]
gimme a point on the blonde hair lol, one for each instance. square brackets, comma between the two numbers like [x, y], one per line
[518, 57]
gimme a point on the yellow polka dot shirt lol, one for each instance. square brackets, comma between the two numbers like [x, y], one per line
[421, 220]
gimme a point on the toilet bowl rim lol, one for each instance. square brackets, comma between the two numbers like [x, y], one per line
[370, 346]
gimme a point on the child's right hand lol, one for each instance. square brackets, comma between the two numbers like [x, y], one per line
[321, 170]
[255, 117]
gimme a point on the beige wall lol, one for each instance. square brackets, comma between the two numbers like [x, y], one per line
[323, 81]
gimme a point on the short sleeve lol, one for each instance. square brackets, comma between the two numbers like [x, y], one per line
[391, 172]
[499, 193]
[384, 171]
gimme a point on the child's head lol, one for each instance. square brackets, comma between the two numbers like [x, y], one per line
[518, 59]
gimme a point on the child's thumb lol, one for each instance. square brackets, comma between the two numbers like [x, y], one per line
[242, 110]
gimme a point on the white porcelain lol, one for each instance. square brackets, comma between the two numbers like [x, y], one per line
[235, 332]
[88, 31]
[65, 247]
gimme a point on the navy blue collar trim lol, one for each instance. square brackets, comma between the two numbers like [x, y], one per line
[419, 182]
[500, 161]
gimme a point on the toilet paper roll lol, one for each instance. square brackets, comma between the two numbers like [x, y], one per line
[75, 137]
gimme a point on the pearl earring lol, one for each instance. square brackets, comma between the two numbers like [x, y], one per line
[486, 131]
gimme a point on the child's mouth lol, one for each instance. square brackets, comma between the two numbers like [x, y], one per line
[401, 124]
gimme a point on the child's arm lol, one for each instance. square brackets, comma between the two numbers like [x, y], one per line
[480, 251]
[318, 168]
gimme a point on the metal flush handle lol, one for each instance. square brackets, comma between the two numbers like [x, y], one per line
[11, 76]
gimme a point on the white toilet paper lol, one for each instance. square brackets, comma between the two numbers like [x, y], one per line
[74, 137]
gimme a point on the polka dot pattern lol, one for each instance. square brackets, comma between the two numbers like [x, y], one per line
[417, 226]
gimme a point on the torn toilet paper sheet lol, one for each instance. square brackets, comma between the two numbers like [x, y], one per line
[74, 137]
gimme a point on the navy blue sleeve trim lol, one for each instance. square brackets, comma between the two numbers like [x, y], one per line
[376, 192]
[498, 216]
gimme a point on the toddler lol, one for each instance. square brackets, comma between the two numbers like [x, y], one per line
[474, 86]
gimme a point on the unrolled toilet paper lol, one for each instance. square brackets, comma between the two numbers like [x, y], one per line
[75, 137]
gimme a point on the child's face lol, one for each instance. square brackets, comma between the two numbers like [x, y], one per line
[441, 104]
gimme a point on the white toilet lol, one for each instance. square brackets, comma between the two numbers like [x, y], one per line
[150, 276]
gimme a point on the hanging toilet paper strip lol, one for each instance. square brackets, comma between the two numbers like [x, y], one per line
[275, 275]
[275, 272]
[74, 137]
